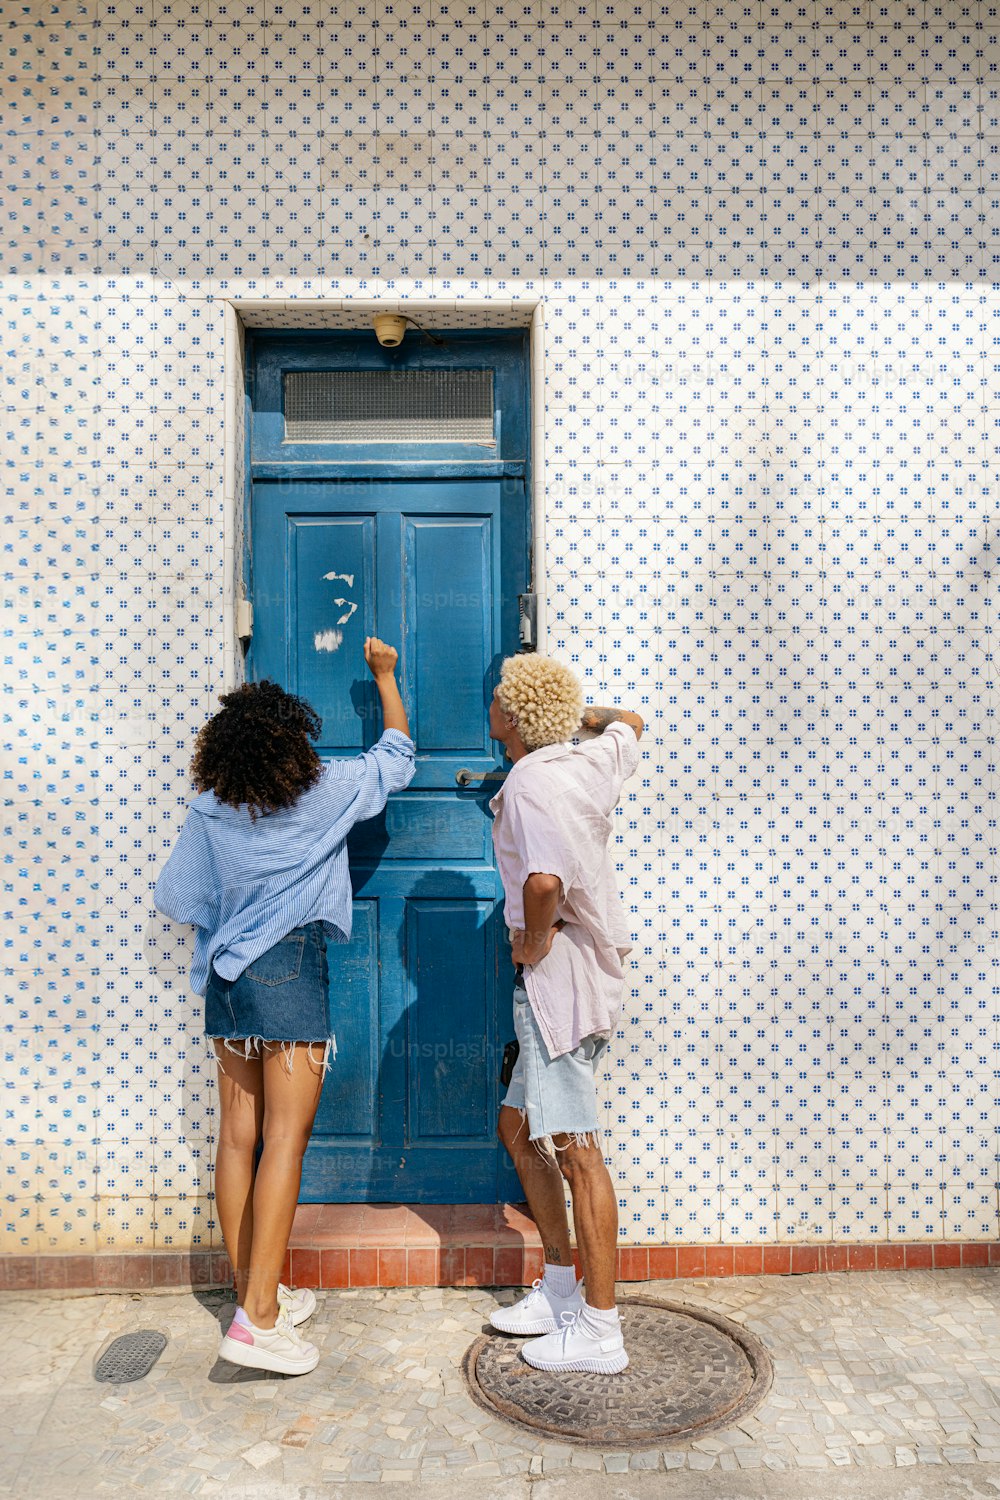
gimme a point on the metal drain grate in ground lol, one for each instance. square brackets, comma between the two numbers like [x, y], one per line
[130, 1357]
[689, 1371]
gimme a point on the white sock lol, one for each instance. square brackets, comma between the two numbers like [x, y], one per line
[241, 1317]
[560, 1279]
[598, 1322]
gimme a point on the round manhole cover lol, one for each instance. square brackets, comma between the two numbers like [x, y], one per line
[689, 1371]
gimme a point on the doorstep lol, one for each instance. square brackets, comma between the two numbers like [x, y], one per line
[400, 1244]
[497, 1244]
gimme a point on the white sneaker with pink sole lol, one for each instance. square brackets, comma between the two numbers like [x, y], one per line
[280, 1349]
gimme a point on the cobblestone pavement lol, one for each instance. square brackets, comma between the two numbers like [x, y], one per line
[871, 1371]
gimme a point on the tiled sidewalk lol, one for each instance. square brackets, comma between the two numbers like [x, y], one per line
[877, 1371]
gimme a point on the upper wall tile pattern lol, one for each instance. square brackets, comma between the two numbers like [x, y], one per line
[766, 238]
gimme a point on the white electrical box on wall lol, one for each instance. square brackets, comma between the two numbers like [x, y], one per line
[244, 619]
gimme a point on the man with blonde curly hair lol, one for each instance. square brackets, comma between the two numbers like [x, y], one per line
[569, 935]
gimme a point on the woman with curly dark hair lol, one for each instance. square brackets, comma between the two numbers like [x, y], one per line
[260, 869]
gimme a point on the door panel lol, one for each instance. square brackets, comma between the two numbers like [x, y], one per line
[451, 973]
[420, 998]
[447, 564]
[423, 827]
[348, 1105]
[331, 598]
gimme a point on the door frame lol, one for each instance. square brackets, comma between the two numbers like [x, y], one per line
[354, 315]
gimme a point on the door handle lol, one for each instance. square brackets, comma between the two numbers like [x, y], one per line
[466, 778]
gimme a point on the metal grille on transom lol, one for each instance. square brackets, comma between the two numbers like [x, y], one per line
[389, 406]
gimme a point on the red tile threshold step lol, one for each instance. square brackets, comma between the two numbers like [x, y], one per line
[485, 1244]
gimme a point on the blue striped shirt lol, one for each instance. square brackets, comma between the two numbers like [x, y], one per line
[245, 884]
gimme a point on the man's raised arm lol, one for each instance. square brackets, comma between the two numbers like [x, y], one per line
[596, 720]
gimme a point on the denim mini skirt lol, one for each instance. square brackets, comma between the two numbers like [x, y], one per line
[283, 996]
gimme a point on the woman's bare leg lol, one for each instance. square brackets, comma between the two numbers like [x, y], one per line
[241, 1100]
[290, 1103]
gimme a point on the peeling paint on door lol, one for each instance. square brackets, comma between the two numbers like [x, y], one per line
[328, 640]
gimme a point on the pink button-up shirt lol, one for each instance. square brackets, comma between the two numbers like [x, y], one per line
[553, 817]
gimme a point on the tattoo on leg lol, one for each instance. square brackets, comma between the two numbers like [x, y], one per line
[553, 1256]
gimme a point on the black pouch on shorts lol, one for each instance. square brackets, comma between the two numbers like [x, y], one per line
[509, 1059]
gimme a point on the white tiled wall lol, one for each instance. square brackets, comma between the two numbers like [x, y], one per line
[766, 240]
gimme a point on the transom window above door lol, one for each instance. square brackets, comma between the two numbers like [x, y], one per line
[389, 406]
[339, 397]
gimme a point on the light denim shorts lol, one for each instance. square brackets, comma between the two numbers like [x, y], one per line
[557, 1094]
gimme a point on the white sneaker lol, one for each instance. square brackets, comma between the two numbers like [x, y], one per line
[300, 1301]
[572, 1348]
[540, 1311]
[279, 1349]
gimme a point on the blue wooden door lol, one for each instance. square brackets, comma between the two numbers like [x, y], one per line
[431, 557]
